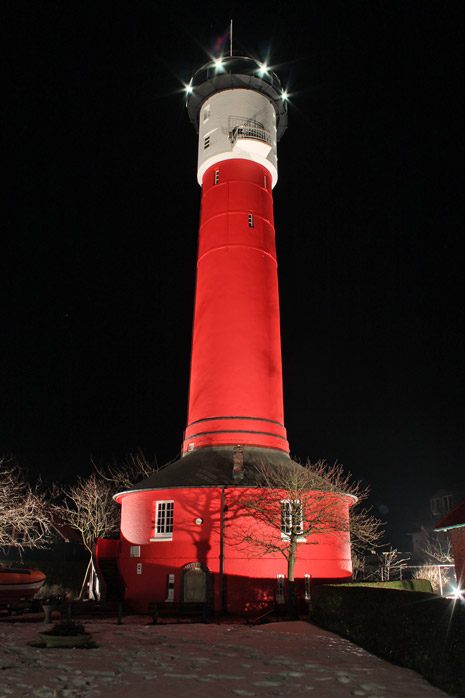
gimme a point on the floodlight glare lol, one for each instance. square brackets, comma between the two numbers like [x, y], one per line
[262, 69]
[218, 63]
[284, 96]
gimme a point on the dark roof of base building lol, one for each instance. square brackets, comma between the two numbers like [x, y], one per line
[210, 467]
[454, 519]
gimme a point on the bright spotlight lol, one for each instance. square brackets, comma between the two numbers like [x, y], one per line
[218, 63]
[284, 96]
[262, 69]
[188, 88]
[458, 594]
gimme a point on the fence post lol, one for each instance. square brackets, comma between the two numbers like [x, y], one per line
[440, 579]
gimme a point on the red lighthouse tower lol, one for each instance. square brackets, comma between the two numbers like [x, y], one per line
[180, 527]
[238, 109]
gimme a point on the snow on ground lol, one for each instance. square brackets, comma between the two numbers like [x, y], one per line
[199, 661]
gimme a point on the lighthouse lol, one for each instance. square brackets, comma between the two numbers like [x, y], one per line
[180, 527]
[238, 108]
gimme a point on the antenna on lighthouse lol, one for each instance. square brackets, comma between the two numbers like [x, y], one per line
[230, 37]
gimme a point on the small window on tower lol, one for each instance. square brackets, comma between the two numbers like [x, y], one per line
[251, 225]
[206, 142]
[217, 176]
[264, 181]
[164, 520]
[206, 113]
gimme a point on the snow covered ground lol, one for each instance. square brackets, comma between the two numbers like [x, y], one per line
[137, 660]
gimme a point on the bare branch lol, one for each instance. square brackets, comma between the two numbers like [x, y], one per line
[25, 520]
[125, 474]
[438, 548]
[89, 507]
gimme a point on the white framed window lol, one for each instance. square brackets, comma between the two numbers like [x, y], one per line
[448, 503]
[134, 551]
[435, 505]
[217, 176]
[206, 113]
[292, 519]
[164, 511]
[251, 224]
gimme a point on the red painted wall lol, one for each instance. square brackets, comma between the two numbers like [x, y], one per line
[249, 581]
[236, 378]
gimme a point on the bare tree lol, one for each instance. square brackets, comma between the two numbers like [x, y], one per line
[391, 561]
[24, 511]
[438, 548]
[300, 503]
[89, 507]
[439, 554]
[130, 470]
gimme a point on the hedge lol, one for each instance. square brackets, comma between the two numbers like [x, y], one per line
[407, 584]
[411, 628]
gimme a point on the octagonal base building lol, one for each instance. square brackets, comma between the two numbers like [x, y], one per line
[182, 529]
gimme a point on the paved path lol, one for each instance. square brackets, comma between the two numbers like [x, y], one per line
[200, 661]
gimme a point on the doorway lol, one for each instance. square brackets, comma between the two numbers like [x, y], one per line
[195, 585]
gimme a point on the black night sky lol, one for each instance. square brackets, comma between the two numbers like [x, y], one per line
[100, 216]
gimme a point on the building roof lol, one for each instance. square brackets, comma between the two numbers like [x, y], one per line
[227, 466]
[454, 519]
[210, 467]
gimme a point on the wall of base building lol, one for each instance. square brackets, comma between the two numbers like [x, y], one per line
[208, 528]
[458, 544]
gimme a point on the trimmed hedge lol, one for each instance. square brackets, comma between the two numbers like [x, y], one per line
[407, 584]
[413, 629]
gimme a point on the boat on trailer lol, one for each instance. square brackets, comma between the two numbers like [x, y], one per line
[19, 583]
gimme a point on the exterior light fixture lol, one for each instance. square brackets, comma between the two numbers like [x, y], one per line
[284, 96]
[263, 68]
[218, 63]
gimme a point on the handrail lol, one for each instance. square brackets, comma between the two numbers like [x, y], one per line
[241, 127]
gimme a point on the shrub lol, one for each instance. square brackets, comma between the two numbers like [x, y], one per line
[68, 628]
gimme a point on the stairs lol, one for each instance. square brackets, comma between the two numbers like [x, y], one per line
[108, 569]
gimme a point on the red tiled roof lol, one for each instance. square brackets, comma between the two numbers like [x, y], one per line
[454, 519]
